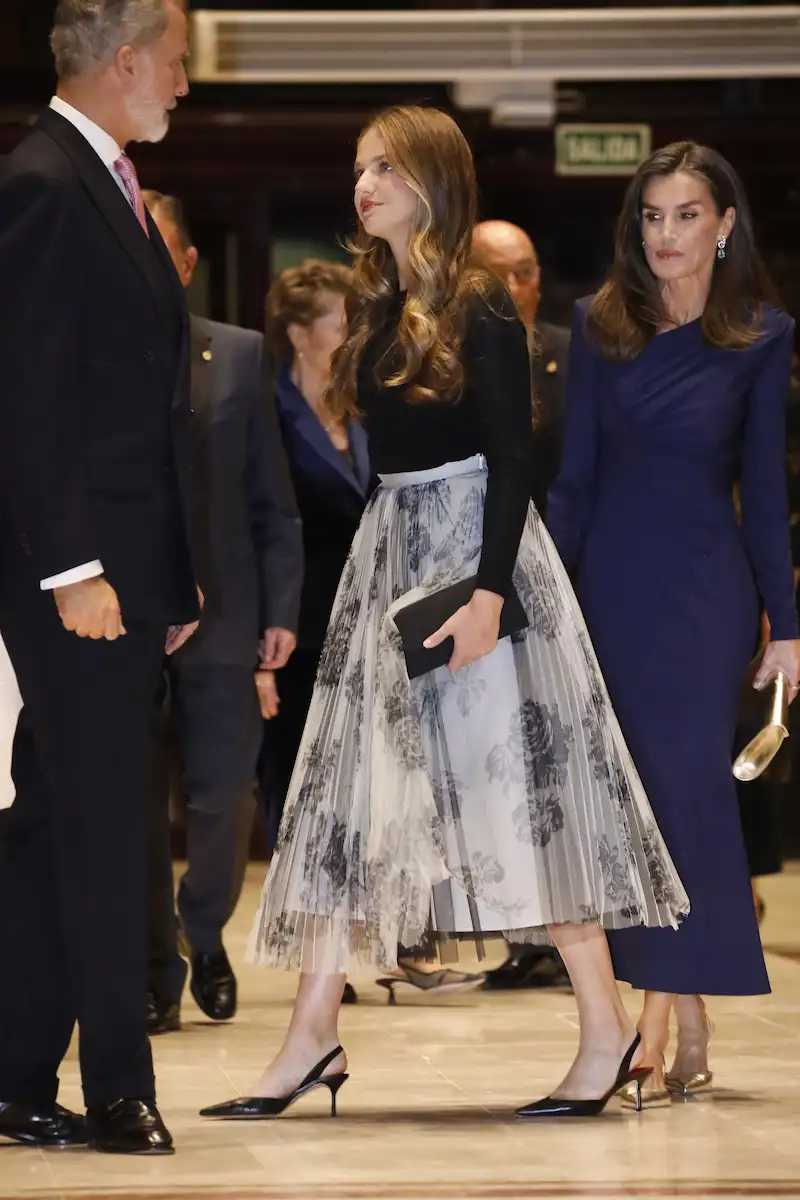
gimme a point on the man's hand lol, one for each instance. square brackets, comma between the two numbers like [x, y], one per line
[178, 634]
[276, 648]
[90, 609]
[268, 699]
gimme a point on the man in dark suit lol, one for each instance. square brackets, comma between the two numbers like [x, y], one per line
[95, 571]
[510, 253]
[249, 555]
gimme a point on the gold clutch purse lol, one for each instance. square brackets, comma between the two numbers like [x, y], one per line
[760, 750]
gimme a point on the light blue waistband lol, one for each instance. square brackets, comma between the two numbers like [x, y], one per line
[467, 466]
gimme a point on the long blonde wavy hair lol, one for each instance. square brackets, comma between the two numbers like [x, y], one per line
[428, 150]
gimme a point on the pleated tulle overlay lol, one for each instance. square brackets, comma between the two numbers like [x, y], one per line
[499, 798]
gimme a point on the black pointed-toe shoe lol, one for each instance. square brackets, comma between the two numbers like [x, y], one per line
[555, 1106]
[128, 1127]
[41, 1125]
[213, 985]
[265, 1108]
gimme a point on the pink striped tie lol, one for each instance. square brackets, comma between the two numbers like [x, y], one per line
[130, 181]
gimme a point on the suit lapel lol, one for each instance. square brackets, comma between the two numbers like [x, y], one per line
[202, 369]
[297, 413]
[109, 200]
[548, 353]
[178, 304]
[162, 253]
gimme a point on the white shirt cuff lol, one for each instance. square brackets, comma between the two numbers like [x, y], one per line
[74, 575]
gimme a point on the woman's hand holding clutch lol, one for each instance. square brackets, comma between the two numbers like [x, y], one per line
[474, 629]
[780, 658]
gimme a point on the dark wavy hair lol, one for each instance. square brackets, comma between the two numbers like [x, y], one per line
[629, 310]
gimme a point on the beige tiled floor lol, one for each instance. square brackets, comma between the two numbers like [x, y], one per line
[427, 1113]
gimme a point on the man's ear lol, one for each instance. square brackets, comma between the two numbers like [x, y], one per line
[190, 258]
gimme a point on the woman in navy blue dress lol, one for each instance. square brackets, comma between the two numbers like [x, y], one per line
[677, 386]
[329, 463]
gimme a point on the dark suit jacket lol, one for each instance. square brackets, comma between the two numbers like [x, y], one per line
[331, 495]
[247, 538]
[94, 410]
[549, 377]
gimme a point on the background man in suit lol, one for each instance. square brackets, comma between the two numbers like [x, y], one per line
[509, 251]
[249, 555]
[95, 568]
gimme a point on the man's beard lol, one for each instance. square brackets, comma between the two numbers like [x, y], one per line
[153, 127]
[149, 116]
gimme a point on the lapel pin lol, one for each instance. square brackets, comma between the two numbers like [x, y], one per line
[207, 357]
[551, 367]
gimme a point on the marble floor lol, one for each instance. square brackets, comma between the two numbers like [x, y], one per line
[428, 1112]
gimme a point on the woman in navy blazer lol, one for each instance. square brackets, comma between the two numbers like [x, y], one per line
[332, 480]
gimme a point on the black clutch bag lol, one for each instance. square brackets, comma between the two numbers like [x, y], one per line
[419, 620]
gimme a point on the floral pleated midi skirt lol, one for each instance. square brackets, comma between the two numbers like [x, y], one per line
[497, 799]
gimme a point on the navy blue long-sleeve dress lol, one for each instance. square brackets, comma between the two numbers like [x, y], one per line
[643, 515]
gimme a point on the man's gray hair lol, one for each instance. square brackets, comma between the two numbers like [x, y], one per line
[87, 33]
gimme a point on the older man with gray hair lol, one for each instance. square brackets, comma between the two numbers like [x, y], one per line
[96, 576]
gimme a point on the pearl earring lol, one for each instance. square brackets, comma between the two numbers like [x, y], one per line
[721, 244]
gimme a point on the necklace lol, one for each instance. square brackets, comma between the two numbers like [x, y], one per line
[328, 422]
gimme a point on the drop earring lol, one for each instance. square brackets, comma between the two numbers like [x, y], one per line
[721, 244]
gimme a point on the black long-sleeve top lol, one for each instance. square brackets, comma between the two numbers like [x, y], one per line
[492, 417]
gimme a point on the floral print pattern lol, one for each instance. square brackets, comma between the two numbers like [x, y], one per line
[498, 799]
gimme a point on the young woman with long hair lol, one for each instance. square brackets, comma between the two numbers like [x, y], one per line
[495, 794]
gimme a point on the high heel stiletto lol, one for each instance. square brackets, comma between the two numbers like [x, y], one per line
[684, 1086]
[638, 1094]
[438, 983]
[263, 1108]
[554, 1106]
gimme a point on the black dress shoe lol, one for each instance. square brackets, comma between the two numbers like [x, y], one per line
[539, 969]
[213, 985]
[162, 1016]
[128, 1127]
[349, 995]
[42, 1125]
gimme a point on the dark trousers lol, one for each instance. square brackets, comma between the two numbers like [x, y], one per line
[282, 734]
[216, 721]
[72, 855]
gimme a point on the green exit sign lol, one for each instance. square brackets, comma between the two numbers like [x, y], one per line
[601, 149]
